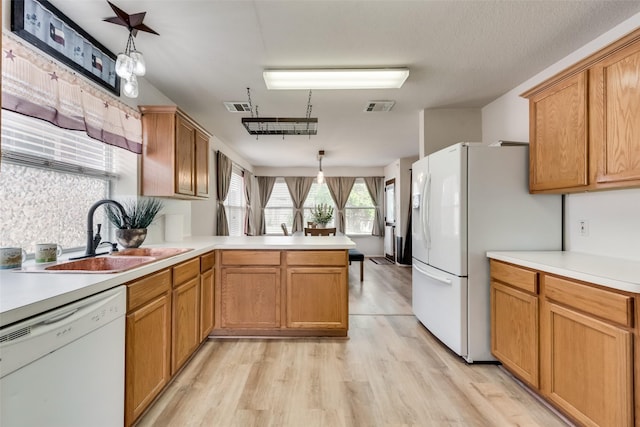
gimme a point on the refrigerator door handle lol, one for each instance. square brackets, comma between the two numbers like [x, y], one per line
[424, 210]
[433, 276]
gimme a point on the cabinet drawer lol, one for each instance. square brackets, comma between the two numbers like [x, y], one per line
[144, 290]
[517, 277]
[607, 305]
[338, 258]
[250, 257]
[186, 271]
[207, 261]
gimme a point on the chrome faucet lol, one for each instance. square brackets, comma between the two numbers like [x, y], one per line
[94, 241]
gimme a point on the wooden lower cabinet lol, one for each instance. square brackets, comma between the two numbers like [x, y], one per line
[185, 323]
[206, 304]
[282, 293]
[185, 319]
[169, 313]
[514, 331]
[250, 297]
[573, 343]
[316, 298]
[148, 342]
[587, 367]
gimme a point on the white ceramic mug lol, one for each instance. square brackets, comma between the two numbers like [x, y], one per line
[47, 252]
[12, 258]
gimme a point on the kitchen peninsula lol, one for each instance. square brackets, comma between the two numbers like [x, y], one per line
[293, 267]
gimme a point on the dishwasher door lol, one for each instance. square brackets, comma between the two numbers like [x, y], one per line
[66, 367]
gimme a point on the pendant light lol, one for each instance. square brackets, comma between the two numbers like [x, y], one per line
[130, 63]
[320, 177]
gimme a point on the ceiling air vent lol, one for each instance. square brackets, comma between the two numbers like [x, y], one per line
[238, 107]
[378, 106]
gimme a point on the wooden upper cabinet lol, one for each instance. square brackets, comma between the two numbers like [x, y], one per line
[175, 160]
[185, 171]
[558, 135]
[202, 164]
[585, 123]
[615, 117]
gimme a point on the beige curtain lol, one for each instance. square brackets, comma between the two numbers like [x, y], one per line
[375, 186]
[340, 188]
[224, 167]
[248, 194]
[265, 188]
[299, 190]
[37, 86]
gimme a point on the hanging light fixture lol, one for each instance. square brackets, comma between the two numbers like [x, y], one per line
[130, 64]
[320, 177]
[256, 125]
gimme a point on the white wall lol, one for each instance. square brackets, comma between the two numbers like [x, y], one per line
[442, 127]
[613, 216]
[404, 197]
[400, 170]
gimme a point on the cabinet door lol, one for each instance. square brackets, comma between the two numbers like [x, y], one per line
[558, 140]
[186, 322]
[615, 116]
[317, 298]
[147, 355]
[206, 304]
[587, 367]
[185, 177]
[202, 164]
[250, 297]
[514, 330]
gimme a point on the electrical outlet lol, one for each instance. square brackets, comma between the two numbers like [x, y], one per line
[583, 227]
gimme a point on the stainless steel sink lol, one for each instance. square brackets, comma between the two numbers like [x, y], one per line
[107, 264]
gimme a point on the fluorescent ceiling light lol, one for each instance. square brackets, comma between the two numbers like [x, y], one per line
[380, 78]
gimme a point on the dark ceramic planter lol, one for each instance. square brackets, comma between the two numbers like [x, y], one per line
[131, 237]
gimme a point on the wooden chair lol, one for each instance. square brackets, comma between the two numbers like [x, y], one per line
[319, 231]
[284, 229]
[311, 224]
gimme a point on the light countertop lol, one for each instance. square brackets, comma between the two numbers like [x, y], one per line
[23, 295]
[615, 273]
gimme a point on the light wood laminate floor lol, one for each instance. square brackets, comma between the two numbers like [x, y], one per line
[389, 372]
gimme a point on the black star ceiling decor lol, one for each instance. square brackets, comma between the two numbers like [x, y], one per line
[132, 22]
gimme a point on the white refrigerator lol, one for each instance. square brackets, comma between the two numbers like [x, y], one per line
[468, 199]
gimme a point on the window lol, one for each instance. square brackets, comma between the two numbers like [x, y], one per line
[319, 193]
[279, 208]
[49, 178]
[235, 203]
[359, 211]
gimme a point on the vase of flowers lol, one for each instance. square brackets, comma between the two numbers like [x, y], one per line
[141, 212]
[322, 214]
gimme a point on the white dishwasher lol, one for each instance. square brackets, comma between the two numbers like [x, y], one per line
[66, 367]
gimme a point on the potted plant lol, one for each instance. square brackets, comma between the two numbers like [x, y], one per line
[322, 214]
[131, 231]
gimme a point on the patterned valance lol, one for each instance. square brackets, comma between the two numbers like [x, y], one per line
[36, 86]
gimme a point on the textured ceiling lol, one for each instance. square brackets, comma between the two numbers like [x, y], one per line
[460, 53]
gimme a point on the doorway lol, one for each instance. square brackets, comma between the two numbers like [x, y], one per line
[390, 219]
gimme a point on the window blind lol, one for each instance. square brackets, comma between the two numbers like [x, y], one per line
[35, 143]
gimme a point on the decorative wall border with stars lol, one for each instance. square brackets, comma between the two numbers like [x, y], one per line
[44, 26]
